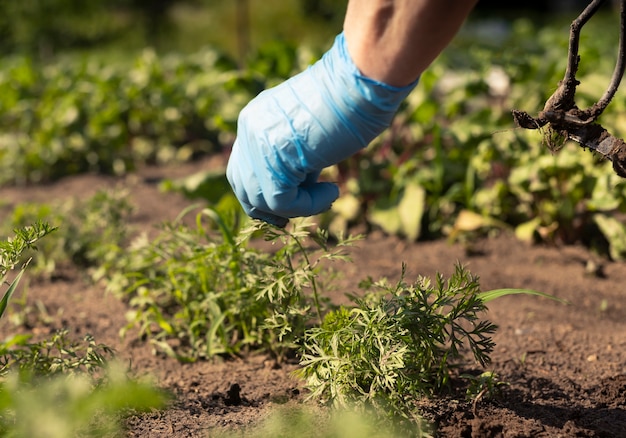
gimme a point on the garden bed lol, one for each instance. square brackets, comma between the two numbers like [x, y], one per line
[565, 365]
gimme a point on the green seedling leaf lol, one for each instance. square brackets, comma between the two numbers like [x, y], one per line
[14, 340]
[215, 217]
[615, 233]
[347, 206]
[403, 217]
[468, 221]
[411, 210]
[386, 217]
[9, 293]
[526, 231]
[209, 185]
[491, 295]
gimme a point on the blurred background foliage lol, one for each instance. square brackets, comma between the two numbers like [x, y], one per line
[110, 85]
[44, 28]
[47, 27]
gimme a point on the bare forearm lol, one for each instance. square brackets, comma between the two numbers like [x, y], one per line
[394, 41]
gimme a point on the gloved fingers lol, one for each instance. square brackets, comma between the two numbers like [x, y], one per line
[307, 199]
[271, 219]
[250, 195]
[273, 203]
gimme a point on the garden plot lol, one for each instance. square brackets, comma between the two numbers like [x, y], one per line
[563, 365]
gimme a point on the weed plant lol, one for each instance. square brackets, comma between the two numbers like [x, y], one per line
[197, 292]
[397, 344]
[88, 233]
[62, 406]
[11, 255]
[57, 387]
[315, 422]
[52, 356]
[200, 291]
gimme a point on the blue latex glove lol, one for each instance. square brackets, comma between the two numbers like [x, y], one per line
[289, 133]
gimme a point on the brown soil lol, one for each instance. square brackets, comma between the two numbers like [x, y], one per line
[566, 365]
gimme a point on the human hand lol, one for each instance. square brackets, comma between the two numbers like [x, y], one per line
[289, 133]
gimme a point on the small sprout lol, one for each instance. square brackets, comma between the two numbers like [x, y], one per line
[486, 385]
[604, 305]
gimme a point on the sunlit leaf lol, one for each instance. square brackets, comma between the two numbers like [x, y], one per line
[498, 293]
[9, 293]
[527, 231]
[347, 206]
[385, 215]
[615, 233]
[411, 209]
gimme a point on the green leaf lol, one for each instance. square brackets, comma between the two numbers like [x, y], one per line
[526, 231]
[347, 206]
[604, 197]
[386, 217]
[211, 185]
[615, 233]
[217, 218]
[491, 295]
[411, 209]
[468, 221]
[9, 293]
[403, 217]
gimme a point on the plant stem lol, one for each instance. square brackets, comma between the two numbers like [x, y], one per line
[316, 298]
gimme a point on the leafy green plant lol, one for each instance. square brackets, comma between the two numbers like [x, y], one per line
[452, 147]
[58, 387]
[11, 255]
[485, 385]
[88, 232]
[317, 422]
[63, 406]
[197, 293]
[81, 115]
[396, 346]
[95, 229]
[399, 343]
[55, 355]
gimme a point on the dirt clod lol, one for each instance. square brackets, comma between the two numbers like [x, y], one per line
[233, 396]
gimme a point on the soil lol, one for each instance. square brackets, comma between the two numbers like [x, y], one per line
[565, 364]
